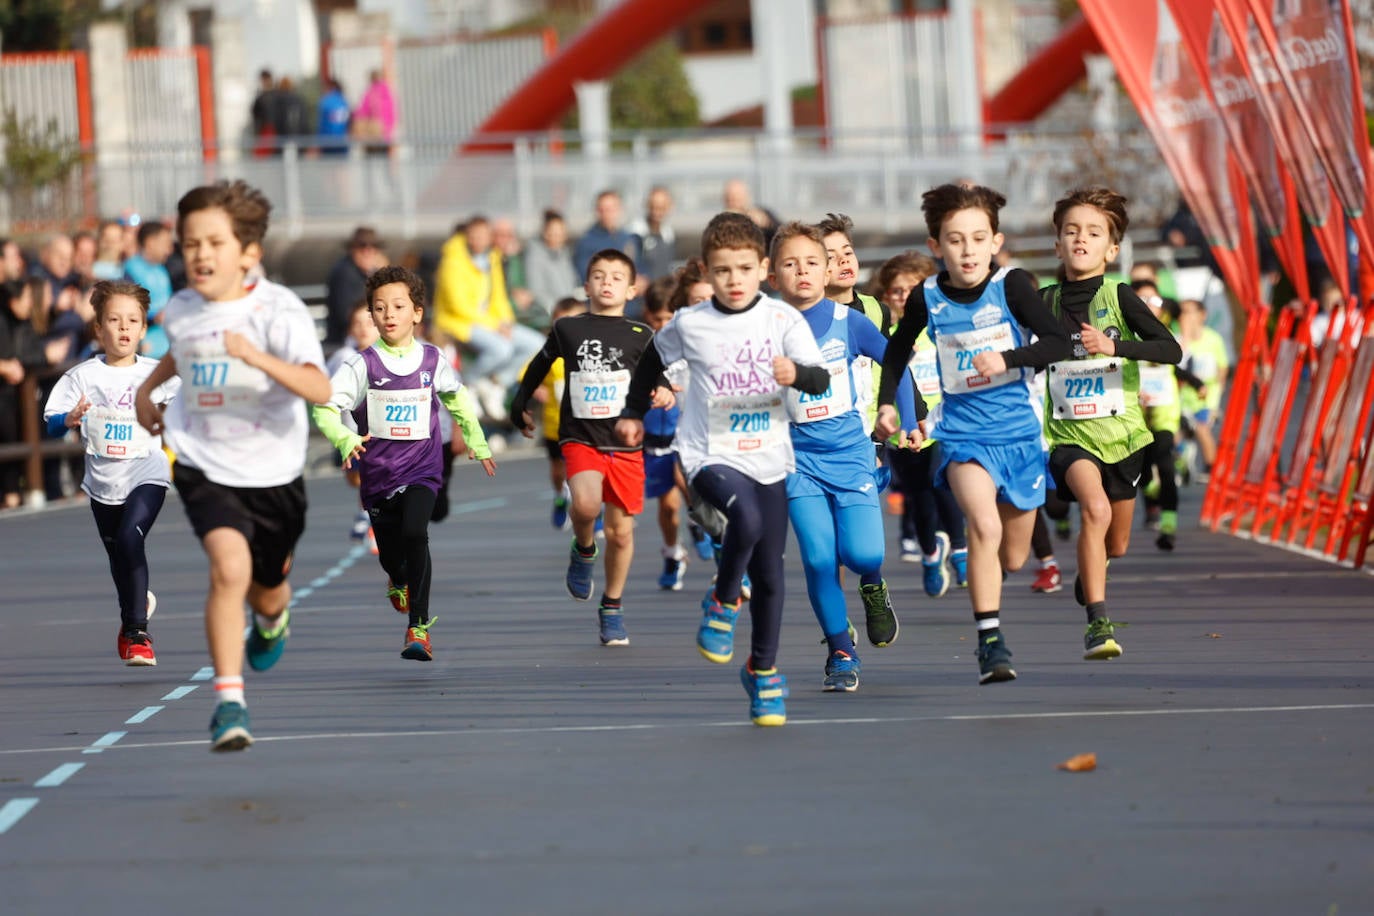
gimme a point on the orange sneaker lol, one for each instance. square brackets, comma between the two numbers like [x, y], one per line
[418, 647]
[399, 597]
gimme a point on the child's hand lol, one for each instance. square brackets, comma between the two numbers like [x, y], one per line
[663, 397]
[886, 424]
[1094, 341]
[989, 364]
[355, 453]
[526, 424]
[913, 439]
[149, 417]
[240, 347]
[784, 370]
[76, 413]
[489, 466]
[630, 432]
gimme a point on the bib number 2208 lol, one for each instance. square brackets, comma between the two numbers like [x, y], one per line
[754, 422]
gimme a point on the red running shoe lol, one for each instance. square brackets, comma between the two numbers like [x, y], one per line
[136, 649]
[1048, 579]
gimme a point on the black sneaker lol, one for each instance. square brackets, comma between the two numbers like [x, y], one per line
[1100, 640]
[880, 619]
[1165, 541]
[994, 661]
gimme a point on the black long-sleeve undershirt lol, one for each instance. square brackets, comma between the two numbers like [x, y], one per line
[1156, 344]
[1022, 299]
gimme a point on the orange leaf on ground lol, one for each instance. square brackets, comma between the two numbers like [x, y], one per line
[1079, 763]
[1214, 636]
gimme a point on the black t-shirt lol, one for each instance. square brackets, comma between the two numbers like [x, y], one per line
[594, 350]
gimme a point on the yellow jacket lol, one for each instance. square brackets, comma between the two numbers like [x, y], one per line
[460, 289]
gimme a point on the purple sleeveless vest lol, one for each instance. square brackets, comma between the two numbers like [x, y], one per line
[389, 464]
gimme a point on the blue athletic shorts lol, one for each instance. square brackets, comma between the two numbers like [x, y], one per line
[658, 474]
[1018, 469]
[846, 475]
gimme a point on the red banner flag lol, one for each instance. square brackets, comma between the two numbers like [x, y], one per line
[1173, 101]
[1253, 144]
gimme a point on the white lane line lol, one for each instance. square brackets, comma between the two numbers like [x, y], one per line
[58, 776]
[13, 810]
[179, 692]
[204, 674]
[106, 740]
[143, 715]
[735, 723]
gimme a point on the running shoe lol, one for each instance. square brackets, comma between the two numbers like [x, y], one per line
[746, 588]
[934, 573]
[263, 649]
[418, 647]
[612, 626]
[994, 660]
[911, 551]
[674, 571]
[229, 728]
[1165, 541]
[841, 672]
[136, 649]
[880, 619]
[361, 525]
[716, 635]
[767, 696]
[702, 540]
[599, 531]
[579, 578]
[560, 514]
[1100, 640]
[1152, 518]
[152, 605]
[399, 597]
[958, 561]
[1048, 580]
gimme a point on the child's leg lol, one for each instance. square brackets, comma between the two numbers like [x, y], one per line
[231, 573]
[1017, 527]
[1096, 517]
[860, 531]
[136, 522]
[951, 517]
[976, 493]
[619, 528]
[587, 489]
[813, 521]
[387, 528]
[732, 493]
[402, 528]
[670, 517]
[766, 572]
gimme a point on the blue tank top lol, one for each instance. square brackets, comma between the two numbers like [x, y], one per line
[995, 411]
[839, 425]
[389, 464]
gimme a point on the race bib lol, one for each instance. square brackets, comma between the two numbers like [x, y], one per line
[1204, 366]
[925, 372]
[1086, 389]
[740, 424]
[222, 382]
[1157, 386]
[598, 395]
[402, 414]
[835, 400]
[956, 353]
[114, 433]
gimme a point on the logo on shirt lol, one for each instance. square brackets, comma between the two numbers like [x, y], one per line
[379, 382]
[987, 316]
[424, 379]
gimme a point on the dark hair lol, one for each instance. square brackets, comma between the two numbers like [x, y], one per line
[938, 203]
[612, 254]
[908, 262]
[837, 222]
[364, 237]
[105, 290]
[567, 305]
[686, 276]
[657, 298]
[551, 214]
[394, 273]
[248, 208]
[149, 229]
[794, 230]
[1111, 204]
[732, 230]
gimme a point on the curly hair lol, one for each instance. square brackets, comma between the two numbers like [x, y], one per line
[393, 273]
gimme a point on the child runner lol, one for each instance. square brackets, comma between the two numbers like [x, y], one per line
[661, 474]
[601, 350]
[932, 523]
[362, 333]
[550, 394]
[832, 496]
[1204, 355]
[840, 286]
[247, 353]
[1093, 420]
[127, 473]
[394, 391]
[743, 350]
[692, 286]
[989, 425]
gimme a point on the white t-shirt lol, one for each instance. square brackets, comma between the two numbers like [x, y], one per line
[232, 422]
[733, 412]
[120, 454]
[350, 379]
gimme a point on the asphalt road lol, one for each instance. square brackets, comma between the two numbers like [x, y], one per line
[529, 770]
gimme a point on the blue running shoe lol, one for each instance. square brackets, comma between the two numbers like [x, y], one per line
[746, 588]
[934, 573]
[767, 696]
[263, 649]
[702, 540]
[579, 579]
[841, 672]
[229, 728]
[716, 636]
[560, 514]
[599, 531]
[994, 660]
[958, 560]
[674, 571]
[612, 624]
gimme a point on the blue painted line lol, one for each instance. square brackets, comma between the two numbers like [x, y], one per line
[107, 739]
[13, 810]
[143, 715]
[319, 582]
[204, 674]
[303, 593]
[180, 692]
[480, 505]
[59, 776]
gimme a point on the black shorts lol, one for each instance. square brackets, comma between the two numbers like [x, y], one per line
[1119, 480]
[271, 518]
[553, 449]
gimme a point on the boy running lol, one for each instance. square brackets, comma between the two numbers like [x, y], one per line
[246, 352]
[743, 351]
[988, 420]
[600, 350]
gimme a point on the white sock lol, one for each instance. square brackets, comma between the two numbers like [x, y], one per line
[229, 690]
[675, 552]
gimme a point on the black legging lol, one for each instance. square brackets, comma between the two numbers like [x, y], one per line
[401, 526]
[123, 530]
[926, 507]
[755, 536]
[1159, 455]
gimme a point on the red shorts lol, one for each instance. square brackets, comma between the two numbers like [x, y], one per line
[622, 473]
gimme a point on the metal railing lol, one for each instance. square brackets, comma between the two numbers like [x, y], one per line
[32, 448]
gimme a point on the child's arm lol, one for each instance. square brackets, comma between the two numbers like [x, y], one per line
[538, 367]
[65, 407]
[1156, 344]
[898, 352]
[629, 429]
[464, 411]
[1031, 311]
[149, 417]
[802, 367]
[347, 388]
[304, 379]
[870, 342]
